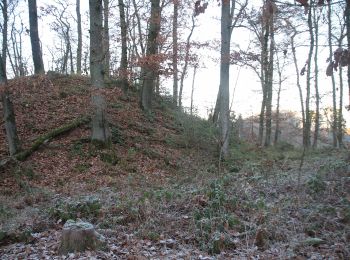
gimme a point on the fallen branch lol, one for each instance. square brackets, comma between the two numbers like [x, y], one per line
[55, 132]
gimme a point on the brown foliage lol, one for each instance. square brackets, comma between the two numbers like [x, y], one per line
[341, 57]
[199, 8]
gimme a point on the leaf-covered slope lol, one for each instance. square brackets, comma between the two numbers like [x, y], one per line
[139, 141]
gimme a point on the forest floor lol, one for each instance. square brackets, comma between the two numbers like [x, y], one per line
[157, 192]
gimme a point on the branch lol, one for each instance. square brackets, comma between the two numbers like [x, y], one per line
[55, 132]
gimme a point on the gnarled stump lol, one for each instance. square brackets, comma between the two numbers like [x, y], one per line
[78, 236]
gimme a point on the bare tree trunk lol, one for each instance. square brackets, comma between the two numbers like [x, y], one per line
[175, 56]
[124, 58]
[307, 130]
[340, 112]
[86, 56]
[265, 80]
[347, 25]
[262, 118]
[70, 57]
[106, 51]
[216, 108]
[298, 83]
[79, 48]
[317, 94]
[100, 129]
[4, 8]
[231, 22]
[34, 38]
[277, 130]
[139, 28]
[150, 71]
[334, 118]
[65, 55]
[17, 64]
[269, 80]
[224, 117]
[187, 55]
[194, 76]
[9, 114]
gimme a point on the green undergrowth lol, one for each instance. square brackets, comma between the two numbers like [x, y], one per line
[195, 132]
[87, 208]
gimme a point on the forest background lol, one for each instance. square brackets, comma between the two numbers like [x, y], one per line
[245, 87]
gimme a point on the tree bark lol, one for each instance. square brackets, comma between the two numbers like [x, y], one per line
[224, 117]
[149, 71]
[216, 108]
[106, 50]
[317, 94]
[139, 28]
[4, 8]
[340, 112]
[175, 56]
[298, 83]
[34, 38]
[277, 129]
[192, 91]
[307, 129]
[9, 114]
[124, 57]
[187, 56]
[334, 98]
[80, 41]
[265, 80]
[347, 25]
[269, 81]
[100, 128]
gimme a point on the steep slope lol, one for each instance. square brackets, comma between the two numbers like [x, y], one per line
[139, 141]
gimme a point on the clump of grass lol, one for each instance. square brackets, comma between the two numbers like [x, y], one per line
[215, 219]
[84, 208]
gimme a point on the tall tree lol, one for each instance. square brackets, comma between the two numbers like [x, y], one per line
[228, 9]
[295, 61]
[224, 88]
[280, 68]
[149, 69]
[268, 73]
[9, 114]
[334, 117]
[187, 57]
[100, 128]
[106, 50]
[317, 94]
[124, 57]
[34, 38]
[339, 38]
[347, 25]
[80, 37]
[307, 127]
[4, 9]
[192, 90]
[175, 46]
[234, 19]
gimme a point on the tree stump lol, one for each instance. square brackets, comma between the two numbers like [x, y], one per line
[78, 236]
